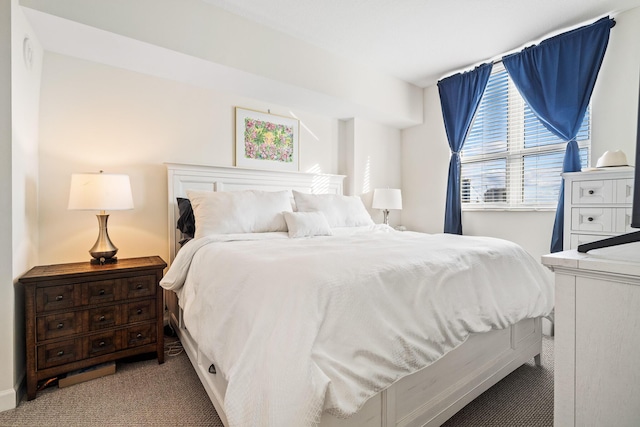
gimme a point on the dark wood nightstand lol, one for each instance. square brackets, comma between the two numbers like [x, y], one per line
[78, 315]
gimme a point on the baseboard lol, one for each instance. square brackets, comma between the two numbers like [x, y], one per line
[9, 398]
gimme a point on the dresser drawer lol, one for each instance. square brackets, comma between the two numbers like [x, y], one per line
[139, 335]
[139, 311]
[102, 343]
[56, 298]
[104, 317]
[59, 325]
[140, 286]
[592, 192]
[100, 291]
[592, 219]
[59, 353]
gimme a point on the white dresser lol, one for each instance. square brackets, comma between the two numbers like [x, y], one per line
[597, 205]
[597, 339]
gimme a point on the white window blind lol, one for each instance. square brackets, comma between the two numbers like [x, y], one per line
[509, 159]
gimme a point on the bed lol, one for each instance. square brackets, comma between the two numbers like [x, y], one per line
[262, 367]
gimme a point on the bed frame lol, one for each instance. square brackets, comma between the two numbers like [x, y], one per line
[425, 398]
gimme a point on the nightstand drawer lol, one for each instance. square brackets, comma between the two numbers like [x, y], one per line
[104, 317]
[103, 343]
[56, 298]
[100, 291]
[59, 325]
[139, 311]
[139, 335]
[59, 353]
[141, 286]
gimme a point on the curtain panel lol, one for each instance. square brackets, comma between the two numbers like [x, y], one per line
[460, 97]
[556, 78]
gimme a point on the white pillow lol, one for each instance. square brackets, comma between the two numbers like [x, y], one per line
[249, 211]
[306, 224]
[340, 211]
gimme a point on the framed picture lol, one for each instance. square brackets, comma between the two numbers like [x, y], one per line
[266, 141]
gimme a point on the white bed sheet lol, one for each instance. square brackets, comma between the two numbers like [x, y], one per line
[298, 326]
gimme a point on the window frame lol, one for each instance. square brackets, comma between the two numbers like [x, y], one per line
[515, 157]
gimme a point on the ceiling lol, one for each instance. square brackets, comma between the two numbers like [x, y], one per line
[421, 41]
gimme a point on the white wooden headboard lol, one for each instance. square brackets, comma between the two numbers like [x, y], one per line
[182, 177]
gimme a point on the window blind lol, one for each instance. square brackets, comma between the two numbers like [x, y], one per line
[509, 159]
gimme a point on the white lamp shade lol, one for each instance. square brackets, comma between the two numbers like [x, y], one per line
[387, 198]
[100, 191]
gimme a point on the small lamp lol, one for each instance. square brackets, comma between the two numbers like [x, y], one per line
[387, 199]
[101, 192]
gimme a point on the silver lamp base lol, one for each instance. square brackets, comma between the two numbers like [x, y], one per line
[386, 216]
[103, 251]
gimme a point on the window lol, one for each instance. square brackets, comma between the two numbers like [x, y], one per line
[509, 159]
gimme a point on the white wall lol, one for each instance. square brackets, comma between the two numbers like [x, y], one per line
[425, 154]
[373, 160]
[97, 117]
[197, 29]
[20, 87]
[7, 321]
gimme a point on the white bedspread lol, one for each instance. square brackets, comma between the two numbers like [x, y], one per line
[301, 325]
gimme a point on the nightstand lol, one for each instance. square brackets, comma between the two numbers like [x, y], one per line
[78, 315]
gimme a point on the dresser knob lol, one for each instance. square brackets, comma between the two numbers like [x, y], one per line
[61, 352]
[590, 219]
[591, 191]
[60, 325]
[59, 298]
[139, 287]
[101, 292]
[101, 344]
[101, 319]
[139, 311]
[139, 336]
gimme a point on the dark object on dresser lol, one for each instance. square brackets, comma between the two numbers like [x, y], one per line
[78, 315]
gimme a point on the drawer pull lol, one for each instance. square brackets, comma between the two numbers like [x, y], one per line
[60, 325]
[59, 298]
[139, 287]
[139, 336]
[591, 191]
[590, 219]
[61, 352]
[101, 292]
[101, 319]
[101, 344]
[139, 311]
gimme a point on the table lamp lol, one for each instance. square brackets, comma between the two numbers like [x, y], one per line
[387, 199]
[101, 192]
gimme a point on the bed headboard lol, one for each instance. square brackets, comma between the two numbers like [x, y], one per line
[182, 177]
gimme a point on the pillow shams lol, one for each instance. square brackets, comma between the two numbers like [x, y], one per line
[249, 211]
[339, 211]
[307, 224]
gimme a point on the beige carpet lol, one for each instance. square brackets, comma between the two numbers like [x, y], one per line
[143, 393]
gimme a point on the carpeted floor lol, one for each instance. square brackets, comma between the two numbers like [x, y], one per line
[143, 393]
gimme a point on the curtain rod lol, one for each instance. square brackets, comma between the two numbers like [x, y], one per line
[499, 60]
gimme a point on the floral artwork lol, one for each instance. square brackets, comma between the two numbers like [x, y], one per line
[266, 141]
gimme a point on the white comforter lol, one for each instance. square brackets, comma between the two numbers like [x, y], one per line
[301, 325]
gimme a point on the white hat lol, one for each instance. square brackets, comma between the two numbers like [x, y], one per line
[612, 159]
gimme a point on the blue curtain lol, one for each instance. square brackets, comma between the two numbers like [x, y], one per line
[556, 78]
[460, 96]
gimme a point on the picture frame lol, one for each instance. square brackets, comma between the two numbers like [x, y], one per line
[266, 141]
